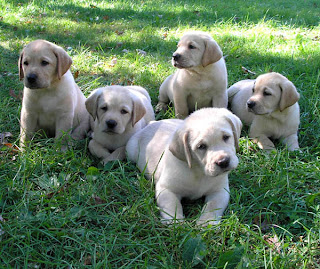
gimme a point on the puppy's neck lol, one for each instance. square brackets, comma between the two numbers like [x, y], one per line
[197, 71]
[281, 116]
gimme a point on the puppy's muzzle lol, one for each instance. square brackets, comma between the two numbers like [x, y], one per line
[111, 124]
[32, 80]
[251, 104]
[223, 162]
[176, 56]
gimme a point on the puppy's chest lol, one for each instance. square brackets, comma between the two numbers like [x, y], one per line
[46, 108]
[192, 187]
[274, 128]
[48, 104]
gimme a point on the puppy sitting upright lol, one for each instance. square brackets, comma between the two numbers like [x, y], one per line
[269, 105]
[118, 112]
[189, 158]
[51, 99]
[201, 78]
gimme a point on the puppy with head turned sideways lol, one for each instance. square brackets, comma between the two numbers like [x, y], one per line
[52, 101]
[269, 105]
[118, 112]
[189, 158]
[201, 78]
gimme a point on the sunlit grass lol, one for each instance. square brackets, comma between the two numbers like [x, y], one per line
[68, 210]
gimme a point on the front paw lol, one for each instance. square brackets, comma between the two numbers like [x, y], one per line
[161, 106]
[118, 154]
[172, 221]
[266, 145]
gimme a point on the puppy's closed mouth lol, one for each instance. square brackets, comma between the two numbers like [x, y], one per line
[179, 65]
[258, 113]
[110, 132]
[32, 86]
[219, 171]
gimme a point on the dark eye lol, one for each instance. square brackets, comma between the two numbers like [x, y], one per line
[44, 63]
[191, 47]
[104, 108]
[26, 63]
[202, 146]
[225, 138]
[266, 93]
[123, 111]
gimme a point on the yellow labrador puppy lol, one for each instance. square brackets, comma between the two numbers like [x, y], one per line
[269, 106]
[201, 78]
[118, 112]
[52, 101]
[189, 158]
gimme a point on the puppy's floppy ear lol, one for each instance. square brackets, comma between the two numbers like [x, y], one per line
[289, 94]
[138, 110]
[20, 63]
[64, 61]
[212, 52]
[236, 126]
[180, 146]
[92, 102]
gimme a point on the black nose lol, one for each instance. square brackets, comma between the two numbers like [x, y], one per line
[111, 123]
[251, 104]
[224, 162]
[176, 56]
[32, 78]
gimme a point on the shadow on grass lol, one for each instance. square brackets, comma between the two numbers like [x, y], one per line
[94, 23]
[294, 13]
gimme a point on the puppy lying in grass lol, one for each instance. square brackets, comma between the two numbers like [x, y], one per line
[52, 101]
[269, 105]
[118, 112]
[189, 158]
[201, 78]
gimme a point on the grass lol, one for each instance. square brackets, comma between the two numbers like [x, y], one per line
[66, 210]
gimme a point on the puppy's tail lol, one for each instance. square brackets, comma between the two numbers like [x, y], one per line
[232, 91]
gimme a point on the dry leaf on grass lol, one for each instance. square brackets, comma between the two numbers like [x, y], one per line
[262, 222]
[141, 52]
[118, 32]
[4, 142]
[113, 62]
[119, 44]
[4, 137]
[273, 242]
[18, 96]
[98, 200]
[1, 220]
[247, 71]
[88, 260]
[76, 74]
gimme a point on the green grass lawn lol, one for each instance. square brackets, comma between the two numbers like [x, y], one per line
[66, 210]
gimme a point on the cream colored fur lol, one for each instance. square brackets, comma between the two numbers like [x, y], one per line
[118, 112]
[52, 101]
[201, 78]
[269, 105]
[189, 158]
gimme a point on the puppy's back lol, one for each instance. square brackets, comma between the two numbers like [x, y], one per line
[140, 90]
[238, 95]
[147, 146]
